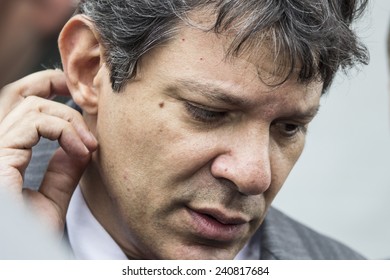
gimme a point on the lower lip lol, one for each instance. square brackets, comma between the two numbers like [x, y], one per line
[209, 228]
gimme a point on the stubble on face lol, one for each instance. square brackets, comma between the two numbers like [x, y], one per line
[194, 150]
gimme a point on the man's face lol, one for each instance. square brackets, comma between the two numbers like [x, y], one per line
[194, 150]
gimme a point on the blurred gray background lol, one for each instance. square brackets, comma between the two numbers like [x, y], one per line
[341, 184]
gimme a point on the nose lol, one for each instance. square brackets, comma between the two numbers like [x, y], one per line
[246, 163]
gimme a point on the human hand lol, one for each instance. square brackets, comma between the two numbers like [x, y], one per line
[25, 115]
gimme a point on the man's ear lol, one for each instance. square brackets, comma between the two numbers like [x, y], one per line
[81, 55]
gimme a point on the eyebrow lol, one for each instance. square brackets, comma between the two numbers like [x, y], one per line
[309, 114]
[218, 94]
[211, 92]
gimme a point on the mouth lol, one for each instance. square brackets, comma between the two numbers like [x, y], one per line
[215, 224]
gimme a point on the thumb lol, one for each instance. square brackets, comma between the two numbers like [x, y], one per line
[62, 176]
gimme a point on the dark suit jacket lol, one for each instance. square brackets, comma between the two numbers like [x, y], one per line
[282, 238]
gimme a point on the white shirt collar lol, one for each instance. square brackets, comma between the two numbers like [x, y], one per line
[87, 238]
[90, 241]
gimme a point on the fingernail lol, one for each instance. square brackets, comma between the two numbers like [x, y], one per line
[92, 138]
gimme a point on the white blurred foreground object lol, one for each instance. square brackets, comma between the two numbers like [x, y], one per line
[22, 237]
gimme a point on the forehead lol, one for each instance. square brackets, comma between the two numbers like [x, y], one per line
[194, 51]
[276, 57]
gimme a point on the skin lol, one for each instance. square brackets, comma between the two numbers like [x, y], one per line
[160, 160]
[191, 153]
[25, 115]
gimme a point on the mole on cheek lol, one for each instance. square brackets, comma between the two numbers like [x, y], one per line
[161, 104]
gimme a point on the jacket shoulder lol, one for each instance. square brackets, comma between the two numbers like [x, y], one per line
[285, 238]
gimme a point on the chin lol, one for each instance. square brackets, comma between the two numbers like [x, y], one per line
[200, 252]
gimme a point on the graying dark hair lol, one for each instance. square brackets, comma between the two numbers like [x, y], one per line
[313, 35]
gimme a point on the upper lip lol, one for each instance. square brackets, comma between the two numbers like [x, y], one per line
[223, 216]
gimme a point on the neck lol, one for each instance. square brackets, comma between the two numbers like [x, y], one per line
[102, 206]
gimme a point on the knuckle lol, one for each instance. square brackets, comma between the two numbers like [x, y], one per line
[69, 128]
[72, 115]
[77, 115]
[31, 99]
[32, 104]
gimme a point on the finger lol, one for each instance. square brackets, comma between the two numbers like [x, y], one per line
[26, 133]
[36, 117]
[14, 161]
[43, 84]
[11, 178]
[62, 177]
[23, 127]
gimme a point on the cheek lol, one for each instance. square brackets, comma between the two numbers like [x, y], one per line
[144, 147]
[129, 164]
[283, 160]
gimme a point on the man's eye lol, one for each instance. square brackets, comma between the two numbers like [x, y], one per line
[289, 129]
[204, 115]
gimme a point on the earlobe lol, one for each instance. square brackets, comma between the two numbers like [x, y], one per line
[81, 55]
